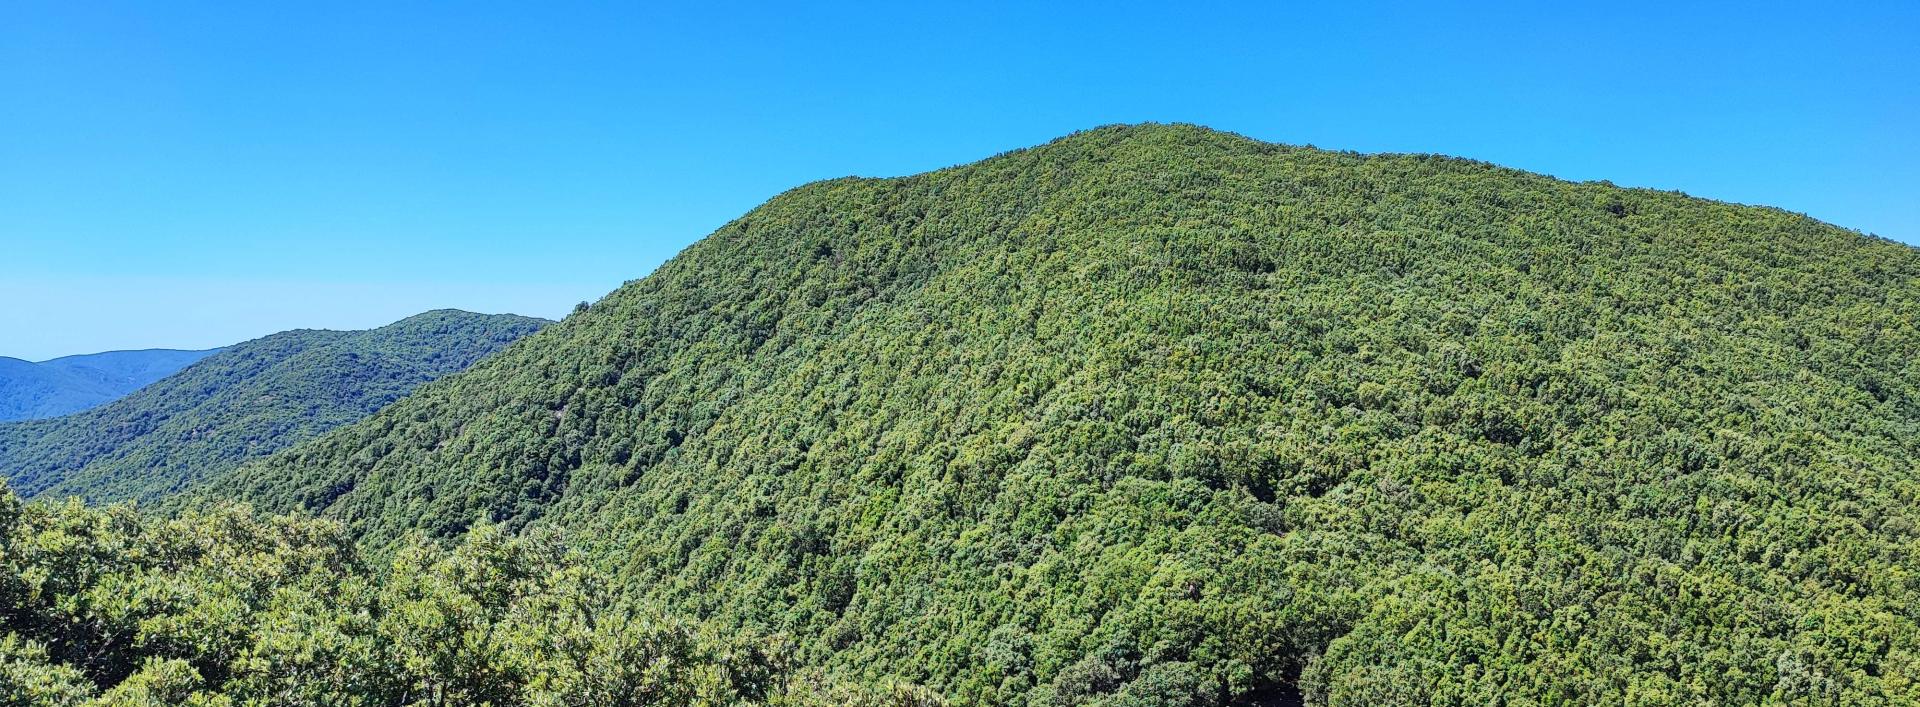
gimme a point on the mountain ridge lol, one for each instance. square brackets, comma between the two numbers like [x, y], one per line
[59, 386]
[244, 401]
[1159, 415]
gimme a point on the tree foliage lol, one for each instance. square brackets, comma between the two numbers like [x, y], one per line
[1159, 415]
[223, 607]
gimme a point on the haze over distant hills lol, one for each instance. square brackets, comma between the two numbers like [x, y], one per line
[245, 401]
[73, 383]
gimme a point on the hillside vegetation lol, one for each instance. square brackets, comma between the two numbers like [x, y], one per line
[1155, 415]
[73, 383]
[247, 401]
[221, 608]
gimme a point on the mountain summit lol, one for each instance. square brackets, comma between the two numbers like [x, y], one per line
[1160, 415]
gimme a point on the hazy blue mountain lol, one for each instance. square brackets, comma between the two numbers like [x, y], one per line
[131, 370]
[70, 384]
[246, 401]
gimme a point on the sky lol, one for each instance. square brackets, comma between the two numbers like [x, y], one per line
[189, 175]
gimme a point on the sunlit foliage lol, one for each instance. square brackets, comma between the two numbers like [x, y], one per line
[222, 607]
[1155, 415]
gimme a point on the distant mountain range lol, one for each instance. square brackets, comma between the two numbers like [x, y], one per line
[243, 401]
[70, 384]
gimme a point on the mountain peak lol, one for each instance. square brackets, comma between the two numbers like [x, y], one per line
[1155, 409]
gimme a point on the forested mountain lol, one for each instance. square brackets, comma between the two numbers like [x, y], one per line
[74, 383]
[1155, 415]
[246, 401]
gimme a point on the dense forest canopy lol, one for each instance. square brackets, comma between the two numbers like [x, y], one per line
[244, 402]
[1157, 415]
[219, 608]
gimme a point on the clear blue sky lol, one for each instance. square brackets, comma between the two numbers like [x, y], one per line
[176, 174]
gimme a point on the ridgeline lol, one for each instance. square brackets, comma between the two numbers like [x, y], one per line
[244, 402]
[1157, 415]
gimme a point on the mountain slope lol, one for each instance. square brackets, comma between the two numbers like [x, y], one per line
[1159, 415]
[247, 401]
[74, 383]
[129, 370]
[29, 390]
